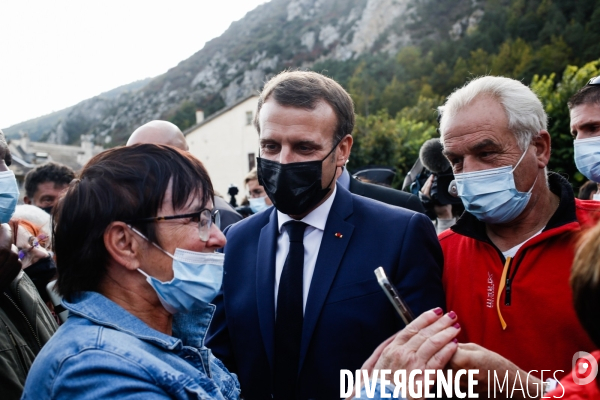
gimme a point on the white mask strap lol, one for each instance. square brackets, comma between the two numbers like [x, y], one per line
[154, 244]
[519, 162]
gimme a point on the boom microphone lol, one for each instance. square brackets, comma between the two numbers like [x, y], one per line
[432, 158]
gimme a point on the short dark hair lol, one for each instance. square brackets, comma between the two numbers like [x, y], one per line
[585, 283]
[585, 95]
[120, 184]
[305, 89]
[586, 190]
[60, 174]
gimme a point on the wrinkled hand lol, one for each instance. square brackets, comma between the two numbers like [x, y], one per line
[425, 343]
[472, 356]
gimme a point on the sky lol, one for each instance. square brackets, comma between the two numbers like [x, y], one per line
[54, 54]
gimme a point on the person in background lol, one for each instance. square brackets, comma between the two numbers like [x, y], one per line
[517, 231]
[37, 217]
[137, 283]
[165, 132]
[588, 190]
[45, 184]
[257, 197]
[384, 194]
[25, 322]
[300, 300]
[584, 110]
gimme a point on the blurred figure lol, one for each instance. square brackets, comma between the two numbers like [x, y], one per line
[37, 217]
[377, 192]
[165, 132]
[584, 110]
[256, 195]
[137, 284]
[588, 190]
[46, 183]
[438, 193]
[585, 283]
[25, 322]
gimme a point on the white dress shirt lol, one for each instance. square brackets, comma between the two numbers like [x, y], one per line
[313, 234]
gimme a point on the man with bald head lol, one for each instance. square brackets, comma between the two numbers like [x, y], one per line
[165, 132]
[159, 132]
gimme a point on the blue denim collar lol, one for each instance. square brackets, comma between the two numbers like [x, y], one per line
[188, 329]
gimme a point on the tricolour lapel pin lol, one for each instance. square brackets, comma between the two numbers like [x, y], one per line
[338, 235]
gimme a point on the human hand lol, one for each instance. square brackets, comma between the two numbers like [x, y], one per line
[26, 242]
[426, 189]
[472, 356]
[426, 343]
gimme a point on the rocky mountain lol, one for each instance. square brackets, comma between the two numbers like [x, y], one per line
[40, 127]
[277, 35]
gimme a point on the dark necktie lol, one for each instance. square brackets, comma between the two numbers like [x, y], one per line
[290, 315]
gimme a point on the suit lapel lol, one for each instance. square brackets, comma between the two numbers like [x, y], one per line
[331, 252]
[265, 282]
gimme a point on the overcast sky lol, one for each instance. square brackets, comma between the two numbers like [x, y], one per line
[56, 53]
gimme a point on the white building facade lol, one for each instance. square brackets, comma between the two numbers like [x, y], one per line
[227, 144]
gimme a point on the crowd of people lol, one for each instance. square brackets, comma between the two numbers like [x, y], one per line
[172, 293]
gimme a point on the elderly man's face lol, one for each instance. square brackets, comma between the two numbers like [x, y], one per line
[585, 121]
[478, 138]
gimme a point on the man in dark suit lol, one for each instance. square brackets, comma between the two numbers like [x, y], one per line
[384, 194]
[299, 299]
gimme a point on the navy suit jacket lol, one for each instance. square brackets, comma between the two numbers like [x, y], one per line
[347, 315]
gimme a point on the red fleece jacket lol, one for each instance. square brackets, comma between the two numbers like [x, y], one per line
[542, 331]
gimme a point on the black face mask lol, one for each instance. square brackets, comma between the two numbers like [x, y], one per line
[293, 188]
[47, 209]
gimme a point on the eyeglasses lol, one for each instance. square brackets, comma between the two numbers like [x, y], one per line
[204, 217]
[594, 81]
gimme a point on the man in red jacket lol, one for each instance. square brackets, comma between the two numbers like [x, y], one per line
[507, 259]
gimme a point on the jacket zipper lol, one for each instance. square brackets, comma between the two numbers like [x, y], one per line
[37, 339]
[17, 349]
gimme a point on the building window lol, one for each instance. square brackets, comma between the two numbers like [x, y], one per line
[248, 117]
[251, 161]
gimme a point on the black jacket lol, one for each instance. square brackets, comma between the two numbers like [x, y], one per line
[386, 195]
[26, 325]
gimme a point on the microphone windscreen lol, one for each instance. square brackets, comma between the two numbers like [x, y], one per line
[432, 158]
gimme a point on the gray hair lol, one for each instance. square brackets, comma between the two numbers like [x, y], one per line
[524, 110]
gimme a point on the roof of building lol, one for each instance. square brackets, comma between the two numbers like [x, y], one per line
[217, 114]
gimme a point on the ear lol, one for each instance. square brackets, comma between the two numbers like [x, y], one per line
[343, 151]
[26, 200]
[542, 145]
[123, 245]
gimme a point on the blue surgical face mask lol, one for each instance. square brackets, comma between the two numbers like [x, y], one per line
[258, 204]
[197, 278]
[491, 195]
[587, 157]
[9, 194]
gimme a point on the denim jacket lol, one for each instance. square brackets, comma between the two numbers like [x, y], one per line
[104, 352]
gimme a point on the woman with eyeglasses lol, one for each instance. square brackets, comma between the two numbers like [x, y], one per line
[135, 239]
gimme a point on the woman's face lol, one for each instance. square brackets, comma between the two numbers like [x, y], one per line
[178, 234]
